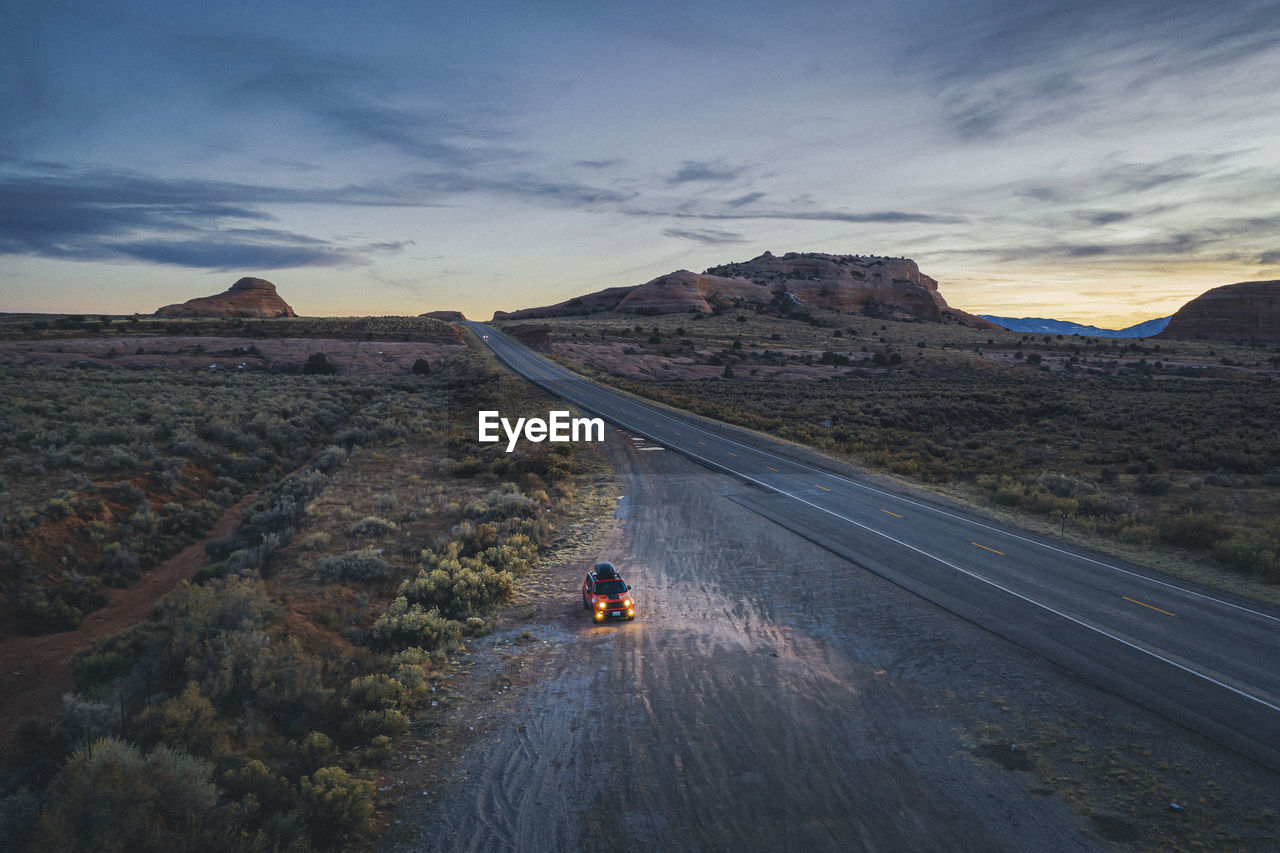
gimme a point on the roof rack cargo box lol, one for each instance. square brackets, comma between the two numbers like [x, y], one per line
[605, 571]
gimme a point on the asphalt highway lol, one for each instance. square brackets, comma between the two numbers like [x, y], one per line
[1200, 658]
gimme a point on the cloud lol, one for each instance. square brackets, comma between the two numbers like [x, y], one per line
[220, 254]
[1003, 67]
[1268, 258]
[707, 236]
[743, 201]
[694, 171]
[1103, 217]
[523, 185]
[60, 212]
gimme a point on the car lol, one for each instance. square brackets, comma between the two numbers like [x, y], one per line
[606, 594]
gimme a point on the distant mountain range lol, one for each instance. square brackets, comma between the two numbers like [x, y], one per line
[1041, 326]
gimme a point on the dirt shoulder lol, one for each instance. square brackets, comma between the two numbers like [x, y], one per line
[773, 696]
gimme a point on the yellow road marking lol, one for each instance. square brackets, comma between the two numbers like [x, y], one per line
[894, 514]
[731, 453]
[774, 470]
[703, 443]
[992, 550]
[1144, 604]
[824, 488]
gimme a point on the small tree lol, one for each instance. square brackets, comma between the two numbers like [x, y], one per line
[318, 364]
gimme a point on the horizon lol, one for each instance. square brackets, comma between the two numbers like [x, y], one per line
[1100, 163]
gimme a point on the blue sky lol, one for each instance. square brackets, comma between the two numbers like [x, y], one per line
[1095, 161]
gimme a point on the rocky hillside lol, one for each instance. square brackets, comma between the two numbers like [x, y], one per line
[1246, 311]
[852, 284]
[248, 297]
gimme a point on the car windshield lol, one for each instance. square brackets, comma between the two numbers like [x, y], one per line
[612, 587]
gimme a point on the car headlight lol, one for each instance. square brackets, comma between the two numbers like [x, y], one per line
[600, 605]
[629, 604]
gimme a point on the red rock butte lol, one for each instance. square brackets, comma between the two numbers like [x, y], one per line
[888, 287]
[248, 297]
[1246, 311]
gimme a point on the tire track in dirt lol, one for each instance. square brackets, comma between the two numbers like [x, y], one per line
[769, 696]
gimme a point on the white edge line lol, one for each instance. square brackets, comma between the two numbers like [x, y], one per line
[978, 577]
[934, 509]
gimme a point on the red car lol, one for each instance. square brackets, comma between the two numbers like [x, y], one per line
[606, 594]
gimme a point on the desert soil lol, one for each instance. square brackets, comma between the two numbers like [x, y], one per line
[36, 671]
[772, 696]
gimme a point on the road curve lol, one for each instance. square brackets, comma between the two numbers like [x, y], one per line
[1200, 658]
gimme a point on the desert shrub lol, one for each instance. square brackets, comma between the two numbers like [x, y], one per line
[331, 458]
[119, 566]
[127, 493]
[372, 525]
[409, 668]
[19, 819]
[112, 796]
[318, 364]
[265, 804]
[220, 547]
[335, 805]
[40, 746]
[1191, 530]
[1152, 484]
[1252, 553]
[187, 720]
[363, 566]
[405, 625]
[15, 566]
[316, 750]
[377, 692]
[120, 655]
[60, 608]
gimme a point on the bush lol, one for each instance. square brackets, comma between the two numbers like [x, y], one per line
[111, 796]
[1251, 553]
[372, 525]
[335, 805]
[1191, 530]
[62, 608]
[405, 625]
[363, 566]
[318, 364]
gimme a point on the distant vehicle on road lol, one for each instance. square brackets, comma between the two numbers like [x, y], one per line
[606, 594]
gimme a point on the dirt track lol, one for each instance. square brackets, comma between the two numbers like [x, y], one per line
[771, 696]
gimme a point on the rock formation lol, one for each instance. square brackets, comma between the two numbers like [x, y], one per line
[1246, 311]
[888, 287]
[248, 297]
[446, 316]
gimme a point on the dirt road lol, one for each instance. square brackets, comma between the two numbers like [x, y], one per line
[772, 696]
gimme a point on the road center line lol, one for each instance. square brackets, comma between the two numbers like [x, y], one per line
[894, 514]
[992, 550]
[1144, 604]
[634, 401]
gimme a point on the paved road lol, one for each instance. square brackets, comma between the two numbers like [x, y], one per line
[1198, 657]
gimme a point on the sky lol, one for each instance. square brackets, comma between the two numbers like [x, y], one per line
[1102, 161]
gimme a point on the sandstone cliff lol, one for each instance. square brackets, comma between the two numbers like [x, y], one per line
[248, 297]
[1246, 311]
[888, 287]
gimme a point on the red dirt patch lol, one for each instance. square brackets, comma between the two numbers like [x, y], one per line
[36, 671]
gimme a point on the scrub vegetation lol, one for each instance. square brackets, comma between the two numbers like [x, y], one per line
[254, 709]
[1146, 443]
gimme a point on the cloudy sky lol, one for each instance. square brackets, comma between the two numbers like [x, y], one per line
[1093, 160]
